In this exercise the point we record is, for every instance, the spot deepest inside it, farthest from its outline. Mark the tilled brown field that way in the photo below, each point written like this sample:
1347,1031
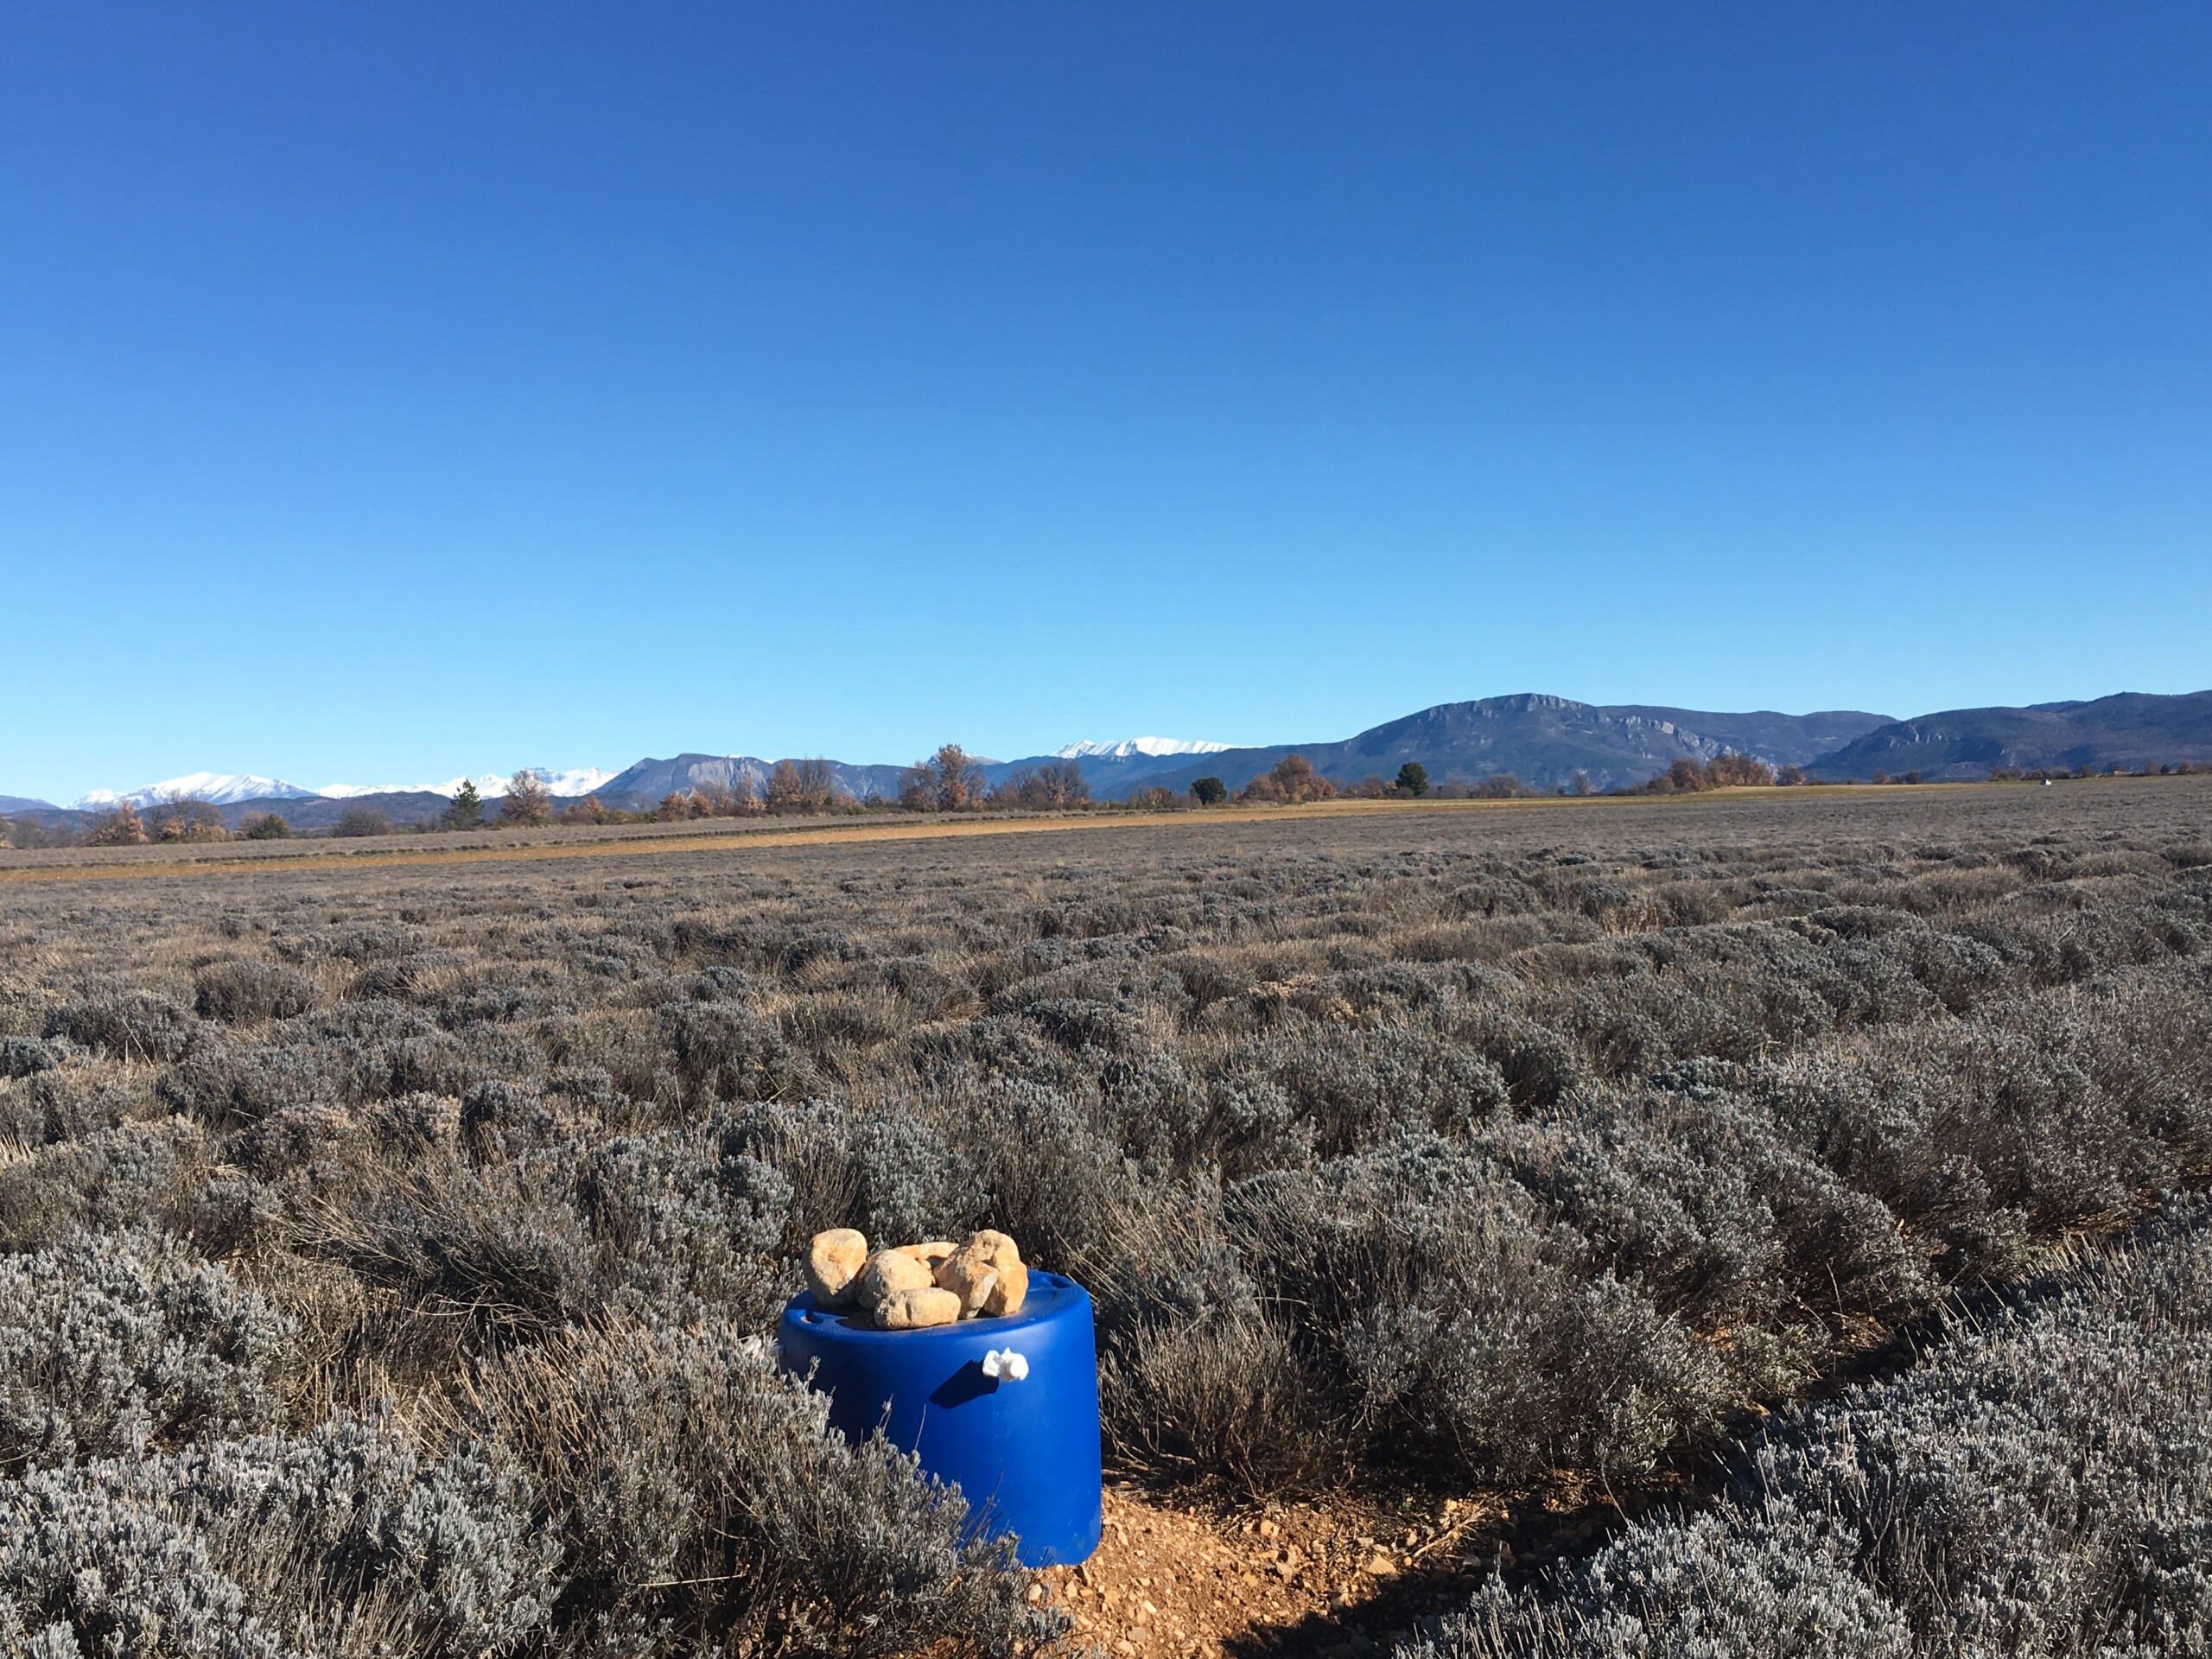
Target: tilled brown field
391,1239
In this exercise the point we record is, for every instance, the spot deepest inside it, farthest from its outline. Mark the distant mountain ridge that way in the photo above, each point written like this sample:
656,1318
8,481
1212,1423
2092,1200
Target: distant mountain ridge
1542,740
647,782
1151,748
2132,728
574,780
216,788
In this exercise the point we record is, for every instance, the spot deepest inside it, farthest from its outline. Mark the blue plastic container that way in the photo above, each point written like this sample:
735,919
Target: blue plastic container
1020,1441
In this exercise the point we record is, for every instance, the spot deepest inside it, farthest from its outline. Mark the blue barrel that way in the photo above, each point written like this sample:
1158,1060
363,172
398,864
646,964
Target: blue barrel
1005,1409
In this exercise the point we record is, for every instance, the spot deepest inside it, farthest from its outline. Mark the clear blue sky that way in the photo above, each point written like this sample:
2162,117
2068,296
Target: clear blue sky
388,390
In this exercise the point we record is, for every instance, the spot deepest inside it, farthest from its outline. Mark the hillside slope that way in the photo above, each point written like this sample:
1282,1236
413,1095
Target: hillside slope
1543,740
645,783
2130,729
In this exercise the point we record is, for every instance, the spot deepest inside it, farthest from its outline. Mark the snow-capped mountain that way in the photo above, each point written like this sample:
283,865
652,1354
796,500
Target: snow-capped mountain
234,788
221,788
574,780
578,780
1145,746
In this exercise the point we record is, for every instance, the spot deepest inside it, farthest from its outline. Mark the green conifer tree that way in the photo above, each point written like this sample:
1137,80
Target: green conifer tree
467,809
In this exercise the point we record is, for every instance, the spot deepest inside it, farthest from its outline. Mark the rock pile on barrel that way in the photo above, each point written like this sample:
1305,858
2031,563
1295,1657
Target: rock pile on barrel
910,1286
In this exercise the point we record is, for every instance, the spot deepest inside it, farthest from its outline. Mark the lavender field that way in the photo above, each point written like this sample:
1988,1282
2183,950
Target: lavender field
388,1250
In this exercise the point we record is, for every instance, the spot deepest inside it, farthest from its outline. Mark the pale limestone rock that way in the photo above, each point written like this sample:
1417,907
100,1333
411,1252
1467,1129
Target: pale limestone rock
930,1254
917,1310
987,1275
975,1292
968,1277
834,1259
1008,1295
889,1272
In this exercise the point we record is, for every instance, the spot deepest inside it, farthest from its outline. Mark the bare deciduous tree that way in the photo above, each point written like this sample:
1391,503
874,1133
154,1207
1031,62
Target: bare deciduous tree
178,817
588,810
528,799
949,781
818,780
1056,786
121,828
361,820
1292,781
1725,770
807,786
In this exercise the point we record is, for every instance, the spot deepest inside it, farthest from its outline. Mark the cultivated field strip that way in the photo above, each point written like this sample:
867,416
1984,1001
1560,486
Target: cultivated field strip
529,843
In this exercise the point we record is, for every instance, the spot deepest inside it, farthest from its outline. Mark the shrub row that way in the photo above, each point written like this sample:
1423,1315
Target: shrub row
2041,1485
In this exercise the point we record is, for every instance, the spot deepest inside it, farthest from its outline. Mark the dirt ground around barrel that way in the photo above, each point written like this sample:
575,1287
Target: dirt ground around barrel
1222,1575
1340,1577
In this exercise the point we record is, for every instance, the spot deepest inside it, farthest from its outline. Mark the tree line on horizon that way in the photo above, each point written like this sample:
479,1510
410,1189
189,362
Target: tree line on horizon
951,780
